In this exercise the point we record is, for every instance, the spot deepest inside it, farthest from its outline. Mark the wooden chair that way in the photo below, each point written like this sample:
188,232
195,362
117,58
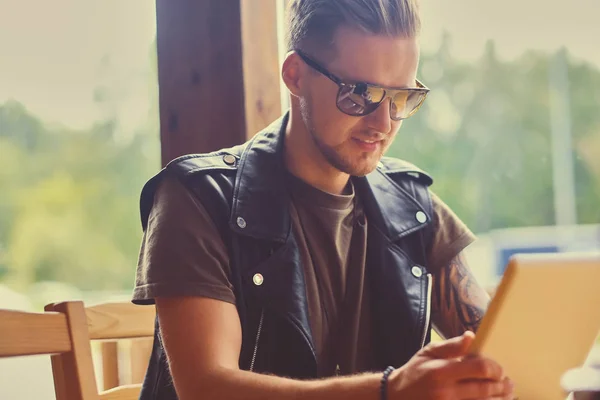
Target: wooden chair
110,323
64,331
58,333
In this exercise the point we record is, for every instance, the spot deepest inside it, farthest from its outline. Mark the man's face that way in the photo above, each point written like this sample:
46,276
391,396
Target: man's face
352,144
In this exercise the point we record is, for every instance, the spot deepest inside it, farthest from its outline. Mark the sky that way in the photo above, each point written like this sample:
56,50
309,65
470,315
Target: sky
52,52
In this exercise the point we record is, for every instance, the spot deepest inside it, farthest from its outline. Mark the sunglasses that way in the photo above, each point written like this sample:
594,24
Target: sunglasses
358,99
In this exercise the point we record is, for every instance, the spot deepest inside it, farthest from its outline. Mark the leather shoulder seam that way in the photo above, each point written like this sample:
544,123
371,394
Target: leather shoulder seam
194,163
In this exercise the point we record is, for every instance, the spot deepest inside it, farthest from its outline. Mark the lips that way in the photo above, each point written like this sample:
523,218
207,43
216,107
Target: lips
379,137
367,144
368,141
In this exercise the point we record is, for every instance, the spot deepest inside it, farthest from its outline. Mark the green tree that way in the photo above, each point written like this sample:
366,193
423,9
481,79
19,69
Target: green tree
484,134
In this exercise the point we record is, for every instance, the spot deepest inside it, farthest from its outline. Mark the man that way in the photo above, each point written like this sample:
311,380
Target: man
304,263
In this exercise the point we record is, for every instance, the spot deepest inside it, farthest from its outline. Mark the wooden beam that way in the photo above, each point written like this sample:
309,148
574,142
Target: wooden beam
74,371
261,64
141,349
24,333
125,392
110,365
120,320
200,75
211,97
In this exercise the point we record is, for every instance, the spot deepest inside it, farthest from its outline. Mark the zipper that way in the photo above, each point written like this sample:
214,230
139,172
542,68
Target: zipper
427,310
260,324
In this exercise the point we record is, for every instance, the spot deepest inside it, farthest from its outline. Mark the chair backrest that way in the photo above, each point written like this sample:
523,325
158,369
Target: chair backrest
62,334
109,323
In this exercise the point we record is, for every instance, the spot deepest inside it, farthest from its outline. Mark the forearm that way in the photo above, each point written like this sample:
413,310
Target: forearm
203,356
230,384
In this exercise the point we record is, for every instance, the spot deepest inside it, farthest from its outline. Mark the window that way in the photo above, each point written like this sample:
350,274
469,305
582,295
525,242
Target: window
79,135
511,132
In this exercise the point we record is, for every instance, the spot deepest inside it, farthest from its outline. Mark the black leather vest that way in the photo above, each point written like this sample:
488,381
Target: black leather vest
242,189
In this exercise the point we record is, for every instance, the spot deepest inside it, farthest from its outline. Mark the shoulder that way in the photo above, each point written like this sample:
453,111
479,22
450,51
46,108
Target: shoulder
451,234
403,170
186,167
221,160
196,174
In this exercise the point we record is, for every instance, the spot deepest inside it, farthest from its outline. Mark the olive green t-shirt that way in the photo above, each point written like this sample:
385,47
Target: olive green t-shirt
182,254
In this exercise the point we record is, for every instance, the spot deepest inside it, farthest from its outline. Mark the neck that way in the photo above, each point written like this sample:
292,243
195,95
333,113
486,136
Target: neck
304,159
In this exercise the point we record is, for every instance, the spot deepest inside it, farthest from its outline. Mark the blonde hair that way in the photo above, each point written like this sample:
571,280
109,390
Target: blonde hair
311,24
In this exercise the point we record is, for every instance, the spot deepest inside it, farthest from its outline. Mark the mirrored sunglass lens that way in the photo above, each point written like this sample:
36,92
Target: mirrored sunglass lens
371,95
399,104
405,104
346,102
360,99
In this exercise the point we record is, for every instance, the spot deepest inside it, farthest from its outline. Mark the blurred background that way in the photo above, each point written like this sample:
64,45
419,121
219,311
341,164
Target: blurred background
510,133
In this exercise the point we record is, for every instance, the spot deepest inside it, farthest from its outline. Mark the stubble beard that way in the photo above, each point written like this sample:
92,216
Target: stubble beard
333,154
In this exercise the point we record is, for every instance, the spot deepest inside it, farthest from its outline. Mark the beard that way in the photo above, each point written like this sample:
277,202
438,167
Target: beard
360,165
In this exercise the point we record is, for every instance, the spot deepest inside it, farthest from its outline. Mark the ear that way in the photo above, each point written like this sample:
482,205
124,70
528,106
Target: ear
293,73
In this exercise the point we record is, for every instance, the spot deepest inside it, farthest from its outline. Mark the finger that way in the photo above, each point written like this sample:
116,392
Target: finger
451,348
474,368
484,389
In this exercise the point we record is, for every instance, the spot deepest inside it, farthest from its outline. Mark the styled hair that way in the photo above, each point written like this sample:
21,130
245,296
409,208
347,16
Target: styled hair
311,24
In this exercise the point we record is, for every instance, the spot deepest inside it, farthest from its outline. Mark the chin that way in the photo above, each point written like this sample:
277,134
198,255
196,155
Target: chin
359,168
351,163
363,171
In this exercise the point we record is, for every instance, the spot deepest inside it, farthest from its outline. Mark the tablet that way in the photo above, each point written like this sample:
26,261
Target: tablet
543,320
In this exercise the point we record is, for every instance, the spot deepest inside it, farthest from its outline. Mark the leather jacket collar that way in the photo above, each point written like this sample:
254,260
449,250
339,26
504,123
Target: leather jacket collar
262,203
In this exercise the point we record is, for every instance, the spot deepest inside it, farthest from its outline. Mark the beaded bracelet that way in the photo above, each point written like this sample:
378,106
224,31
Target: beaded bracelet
384,381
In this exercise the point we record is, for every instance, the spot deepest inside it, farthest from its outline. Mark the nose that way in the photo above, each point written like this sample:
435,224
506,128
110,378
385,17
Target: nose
380,120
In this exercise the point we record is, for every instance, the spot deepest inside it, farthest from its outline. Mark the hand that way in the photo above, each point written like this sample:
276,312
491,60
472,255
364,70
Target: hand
442,371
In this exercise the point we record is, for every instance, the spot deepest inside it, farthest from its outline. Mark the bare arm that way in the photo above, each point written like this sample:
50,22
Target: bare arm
459,302
203,357
202,338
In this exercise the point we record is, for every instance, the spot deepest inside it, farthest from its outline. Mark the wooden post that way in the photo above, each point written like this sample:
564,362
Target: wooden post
202,75
141,349
110,365
74,371
261,64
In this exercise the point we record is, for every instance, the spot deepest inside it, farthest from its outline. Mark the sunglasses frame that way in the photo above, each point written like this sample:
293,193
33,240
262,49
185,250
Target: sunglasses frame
387,92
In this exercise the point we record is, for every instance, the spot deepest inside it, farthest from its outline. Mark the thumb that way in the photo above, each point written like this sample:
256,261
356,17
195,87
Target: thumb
451,348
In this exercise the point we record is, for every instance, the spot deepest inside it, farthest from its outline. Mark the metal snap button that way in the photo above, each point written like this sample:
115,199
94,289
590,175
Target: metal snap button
241,222
229,159
421,217
417,272
258,279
